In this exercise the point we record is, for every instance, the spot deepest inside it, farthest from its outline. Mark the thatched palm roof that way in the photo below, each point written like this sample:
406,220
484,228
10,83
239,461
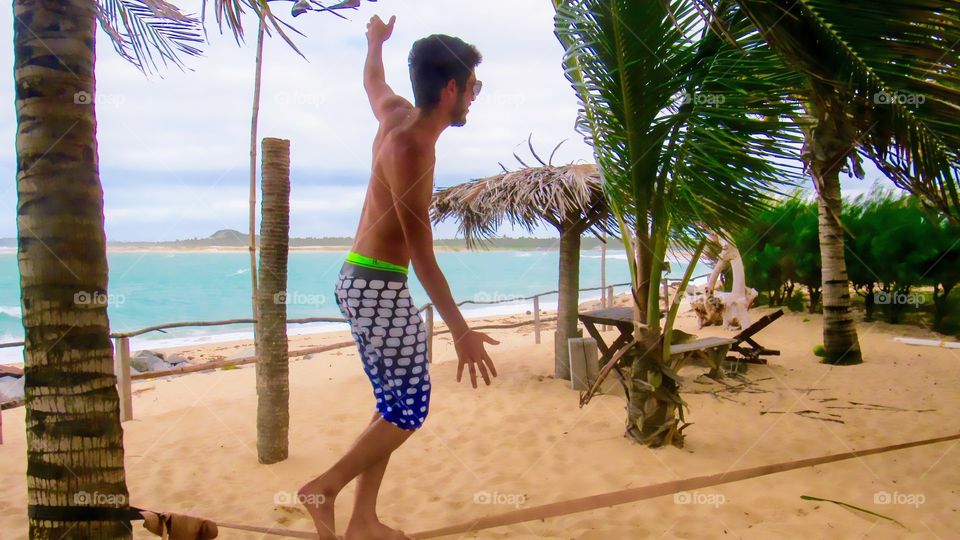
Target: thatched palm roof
569,197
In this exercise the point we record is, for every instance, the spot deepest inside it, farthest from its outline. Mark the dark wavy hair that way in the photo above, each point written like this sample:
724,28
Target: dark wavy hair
436,59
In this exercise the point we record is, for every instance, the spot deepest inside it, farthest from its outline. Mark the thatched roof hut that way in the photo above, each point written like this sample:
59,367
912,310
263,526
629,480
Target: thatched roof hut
569,197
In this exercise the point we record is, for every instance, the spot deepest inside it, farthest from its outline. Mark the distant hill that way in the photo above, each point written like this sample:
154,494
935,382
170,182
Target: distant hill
231,238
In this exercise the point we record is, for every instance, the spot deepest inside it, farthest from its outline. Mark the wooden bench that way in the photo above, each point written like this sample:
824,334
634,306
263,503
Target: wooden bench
714,350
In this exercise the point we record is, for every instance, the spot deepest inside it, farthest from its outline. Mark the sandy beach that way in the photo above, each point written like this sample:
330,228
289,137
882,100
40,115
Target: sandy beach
523,441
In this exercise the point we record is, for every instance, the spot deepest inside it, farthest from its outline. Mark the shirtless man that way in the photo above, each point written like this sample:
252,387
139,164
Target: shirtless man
371,290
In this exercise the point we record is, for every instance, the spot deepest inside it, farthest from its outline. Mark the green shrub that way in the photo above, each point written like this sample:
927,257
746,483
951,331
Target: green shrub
795,302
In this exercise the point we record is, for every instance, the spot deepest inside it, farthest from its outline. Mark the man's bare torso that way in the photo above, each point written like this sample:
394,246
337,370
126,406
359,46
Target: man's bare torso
379,234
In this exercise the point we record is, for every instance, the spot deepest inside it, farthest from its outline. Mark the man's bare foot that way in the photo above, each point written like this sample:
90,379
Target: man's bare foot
373,530
318,500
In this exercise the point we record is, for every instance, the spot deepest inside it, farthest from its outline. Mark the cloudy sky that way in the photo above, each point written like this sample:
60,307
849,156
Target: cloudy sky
174,146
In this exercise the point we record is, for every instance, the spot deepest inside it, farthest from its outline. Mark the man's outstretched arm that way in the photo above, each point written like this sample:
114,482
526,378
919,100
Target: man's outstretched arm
382,98
412,186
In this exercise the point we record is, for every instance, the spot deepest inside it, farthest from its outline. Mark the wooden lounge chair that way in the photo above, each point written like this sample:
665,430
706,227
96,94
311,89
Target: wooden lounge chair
749,350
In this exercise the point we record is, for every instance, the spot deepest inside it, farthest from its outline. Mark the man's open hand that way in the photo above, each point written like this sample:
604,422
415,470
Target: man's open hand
471,352
377,31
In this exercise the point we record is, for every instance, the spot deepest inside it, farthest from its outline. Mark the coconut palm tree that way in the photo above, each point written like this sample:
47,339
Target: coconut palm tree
74,437
683,134
882,83
570,198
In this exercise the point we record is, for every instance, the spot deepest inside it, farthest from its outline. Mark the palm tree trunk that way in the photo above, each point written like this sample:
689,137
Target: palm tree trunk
73,433
273,369
828,146
568,299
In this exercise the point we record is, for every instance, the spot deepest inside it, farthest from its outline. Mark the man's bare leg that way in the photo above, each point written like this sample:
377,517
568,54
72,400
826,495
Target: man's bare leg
371,451
364,522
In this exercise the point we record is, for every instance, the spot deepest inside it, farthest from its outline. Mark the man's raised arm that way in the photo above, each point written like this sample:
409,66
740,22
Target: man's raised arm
382,98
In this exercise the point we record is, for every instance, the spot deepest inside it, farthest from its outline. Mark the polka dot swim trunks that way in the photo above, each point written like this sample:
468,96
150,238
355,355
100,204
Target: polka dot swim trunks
391,339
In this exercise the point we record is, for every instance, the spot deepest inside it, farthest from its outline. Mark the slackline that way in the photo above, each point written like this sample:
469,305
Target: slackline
613,498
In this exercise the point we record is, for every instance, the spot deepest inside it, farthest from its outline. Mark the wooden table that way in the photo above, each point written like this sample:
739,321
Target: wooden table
714,348
620,317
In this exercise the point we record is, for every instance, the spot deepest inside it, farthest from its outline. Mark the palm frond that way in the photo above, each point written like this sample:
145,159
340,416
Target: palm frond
145,31
677,116
897,63
230,12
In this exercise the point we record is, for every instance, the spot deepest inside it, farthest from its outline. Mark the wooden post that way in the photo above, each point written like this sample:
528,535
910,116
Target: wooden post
606,327
583,354
121,367
429,310
536,319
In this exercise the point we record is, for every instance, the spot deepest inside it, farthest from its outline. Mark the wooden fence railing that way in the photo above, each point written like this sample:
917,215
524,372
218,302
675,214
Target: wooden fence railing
122,341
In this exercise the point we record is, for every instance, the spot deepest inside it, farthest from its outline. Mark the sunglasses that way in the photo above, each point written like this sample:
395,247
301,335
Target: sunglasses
477,86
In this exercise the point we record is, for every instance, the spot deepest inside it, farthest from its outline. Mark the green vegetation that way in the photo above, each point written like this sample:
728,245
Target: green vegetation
781,253
901,258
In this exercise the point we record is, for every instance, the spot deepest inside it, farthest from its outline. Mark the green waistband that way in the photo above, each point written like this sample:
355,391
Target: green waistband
370,262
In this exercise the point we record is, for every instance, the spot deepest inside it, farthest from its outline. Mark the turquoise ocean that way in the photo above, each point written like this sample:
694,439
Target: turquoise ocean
151,288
